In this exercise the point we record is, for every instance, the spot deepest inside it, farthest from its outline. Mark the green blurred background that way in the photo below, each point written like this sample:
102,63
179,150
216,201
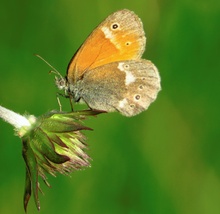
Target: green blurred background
165,160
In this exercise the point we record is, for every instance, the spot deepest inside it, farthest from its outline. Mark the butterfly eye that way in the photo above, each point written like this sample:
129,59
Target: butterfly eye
115,26
60,83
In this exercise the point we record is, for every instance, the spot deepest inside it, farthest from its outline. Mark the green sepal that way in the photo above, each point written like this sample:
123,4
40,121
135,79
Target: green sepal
31,183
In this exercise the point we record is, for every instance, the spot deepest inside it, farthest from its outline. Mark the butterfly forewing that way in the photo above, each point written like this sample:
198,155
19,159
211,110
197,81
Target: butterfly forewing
119,37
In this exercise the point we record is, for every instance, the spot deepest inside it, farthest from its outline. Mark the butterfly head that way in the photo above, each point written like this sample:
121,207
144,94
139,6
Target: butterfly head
61,83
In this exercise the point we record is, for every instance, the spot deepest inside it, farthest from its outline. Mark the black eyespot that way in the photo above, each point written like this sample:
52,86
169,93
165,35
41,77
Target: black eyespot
141,87
127,43
126,66
115,26
137,97
132,105
143,78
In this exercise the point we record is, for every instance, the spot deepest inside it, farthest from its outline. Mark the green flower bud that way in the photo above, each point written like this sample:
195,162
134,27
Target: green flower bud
51,143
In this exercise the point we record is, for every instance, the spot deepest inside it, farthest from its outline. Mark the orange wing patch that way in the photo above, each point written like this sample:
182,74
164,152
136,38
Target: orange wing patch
119,37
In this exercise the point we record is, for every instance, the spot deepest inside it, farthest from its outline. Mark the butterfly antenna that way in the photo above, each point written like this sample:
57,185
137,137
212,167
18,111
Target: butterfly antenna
54,70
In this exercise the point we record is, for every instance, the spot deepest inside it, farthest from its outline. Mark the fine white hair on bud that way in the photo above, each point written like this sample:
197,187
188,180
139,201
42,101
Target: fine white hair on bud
15,119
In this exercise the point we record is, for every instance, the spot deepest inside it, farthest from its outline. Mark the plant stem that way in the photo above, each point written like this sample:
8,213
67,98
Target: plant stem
15,119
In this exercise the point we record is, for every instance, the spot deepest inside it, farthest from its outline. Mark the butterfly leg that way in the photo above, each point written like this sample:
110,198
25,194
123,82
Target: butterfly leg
66,96
71,102
58,100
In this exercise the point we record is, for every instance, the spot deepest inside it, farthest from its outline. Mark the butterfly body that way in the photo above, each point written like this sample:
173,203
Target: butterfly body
107,71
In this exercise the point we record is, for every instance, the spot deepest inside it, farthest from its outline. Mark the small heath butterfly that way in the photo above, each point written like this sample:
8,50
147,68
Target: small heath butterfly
107,72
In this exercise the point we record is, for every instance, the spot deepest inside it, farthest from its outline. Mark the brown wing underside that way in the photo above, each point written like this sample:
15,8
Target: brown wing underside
127,86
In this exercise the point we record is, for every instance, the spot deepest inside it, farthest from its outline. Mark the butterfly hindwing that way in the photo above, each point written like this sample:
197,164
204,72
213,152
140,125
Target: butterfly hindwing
126,86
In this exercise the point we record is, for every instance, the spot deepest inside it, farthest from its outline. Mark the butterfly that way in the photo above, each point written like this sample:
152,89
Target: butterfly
108,73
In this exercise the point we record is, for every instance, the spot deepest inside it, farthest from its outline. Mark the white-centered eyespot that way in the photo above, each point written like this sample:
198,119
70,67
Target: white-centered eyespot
115,26
137,97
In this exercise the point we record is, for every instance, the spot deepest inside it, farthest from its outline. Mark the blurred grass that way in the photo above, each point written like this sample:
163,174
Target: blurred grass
165,160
